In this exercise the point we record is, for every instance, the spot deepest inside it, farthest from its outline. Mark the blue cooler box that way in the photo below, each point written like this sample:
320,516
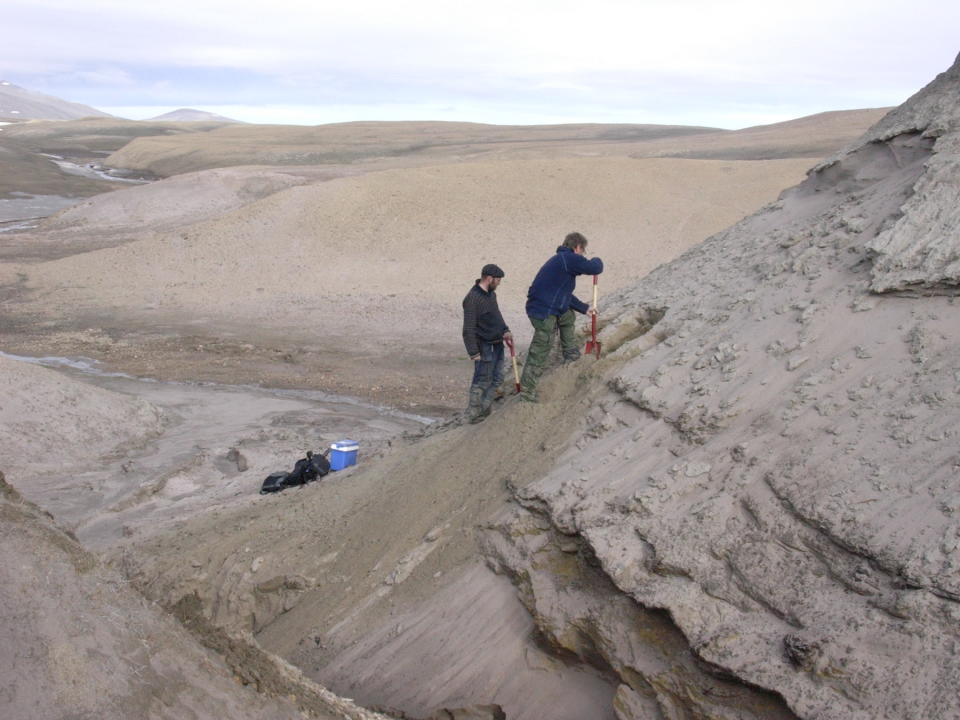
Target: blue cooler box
343,454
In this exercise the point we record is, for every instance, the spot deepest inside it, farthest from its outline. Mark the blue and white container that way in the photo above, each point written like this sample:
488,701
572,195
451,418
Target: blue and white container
343,454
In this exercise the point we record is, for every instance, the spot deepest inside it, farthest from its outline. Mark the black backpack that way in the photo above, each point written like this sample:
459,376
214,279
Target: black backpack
305,470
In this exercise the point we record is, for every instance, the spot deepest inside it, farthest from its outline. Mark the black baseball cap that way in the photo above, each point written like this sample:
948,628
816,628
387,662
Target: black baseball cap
491,270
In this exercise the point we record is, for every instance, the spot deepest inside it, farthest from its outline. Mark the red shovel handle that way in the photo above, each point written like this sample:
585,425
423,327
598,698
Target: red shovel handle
592,345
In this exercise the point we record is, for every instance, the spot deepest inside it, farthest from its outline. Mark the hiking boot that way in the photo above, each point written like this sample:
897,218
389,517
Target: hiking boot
475,410
480,414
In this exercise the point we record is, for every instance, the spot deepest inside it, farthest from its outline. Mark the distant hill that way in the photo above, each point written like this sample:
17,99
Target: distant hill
419,142
17,103
191,115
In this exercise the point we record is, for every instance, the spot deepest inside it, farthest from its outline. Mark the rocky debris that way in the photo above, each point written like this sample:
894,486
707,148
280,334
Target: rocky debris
777,473
800,652
234,455
921,251
472,712
919,248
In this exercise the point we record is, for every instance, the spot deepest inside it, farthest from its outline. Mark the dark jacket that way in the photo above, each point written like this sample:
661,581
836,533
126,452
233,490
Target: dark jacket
552,290
482,320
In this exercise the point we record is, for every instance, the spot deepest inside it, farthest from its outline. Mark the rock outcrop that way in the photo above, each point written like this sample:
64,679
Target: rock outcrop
769,479
920,251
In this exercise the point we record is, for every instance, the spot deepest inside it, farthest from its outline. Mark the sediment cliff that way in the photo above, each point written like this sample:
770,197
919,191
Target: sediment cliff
772,467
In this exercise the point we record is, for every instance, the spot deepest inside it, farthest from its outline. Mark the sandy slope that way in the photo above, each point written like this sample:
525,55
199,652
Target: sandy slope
421,233
809,136
78,640
358,262
50,423
396,531
141,212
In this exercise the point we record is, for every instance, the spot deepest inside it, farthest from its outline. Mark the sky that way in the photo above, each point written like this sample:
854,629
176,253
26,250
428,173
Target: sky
722,63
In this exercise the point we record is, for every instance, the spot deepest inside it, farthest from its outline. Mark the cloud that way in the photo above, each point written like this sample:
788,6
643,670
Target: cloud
109,76
638,58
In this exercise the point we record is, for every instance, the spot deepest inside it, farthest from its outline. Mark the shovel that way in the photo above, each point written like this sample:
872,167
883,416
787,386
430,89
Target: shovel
593,345
513,359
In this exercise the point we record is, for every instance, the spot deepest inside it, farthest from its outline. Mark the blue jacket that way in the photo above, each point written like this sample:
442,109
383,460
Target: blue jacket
552,290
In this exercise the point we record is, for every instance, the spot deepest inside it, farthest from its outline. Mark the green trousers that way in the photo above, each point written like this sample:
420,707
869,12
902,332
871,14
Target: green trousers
540,346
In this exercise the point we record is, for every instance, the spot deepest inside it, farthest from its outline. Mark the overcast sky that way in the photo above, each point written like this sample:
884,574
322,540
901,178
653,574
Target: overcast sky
723,63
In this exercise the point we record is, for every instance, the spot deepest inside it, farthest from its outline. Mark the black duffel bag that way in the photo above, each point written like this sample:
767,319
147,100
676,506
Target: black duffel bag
308,469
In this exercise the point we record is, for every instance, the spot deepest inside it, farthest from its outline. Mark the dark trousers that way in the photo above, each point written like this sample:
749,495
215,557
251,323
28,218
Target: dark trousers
487,376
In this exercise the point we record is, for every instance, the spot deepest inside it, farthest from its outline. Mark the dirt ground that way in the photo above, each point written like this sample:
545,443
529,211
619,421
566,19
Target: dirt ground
433,385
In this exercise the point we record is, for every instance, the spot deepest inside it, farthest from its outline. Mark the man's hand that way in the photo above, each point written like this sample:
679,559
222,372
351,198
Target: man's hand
591,311
476,357
508,336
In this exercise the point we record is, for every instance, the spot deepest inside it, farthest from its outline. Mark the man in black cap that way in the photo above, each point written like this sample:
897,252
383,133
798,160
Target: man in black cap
483,334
